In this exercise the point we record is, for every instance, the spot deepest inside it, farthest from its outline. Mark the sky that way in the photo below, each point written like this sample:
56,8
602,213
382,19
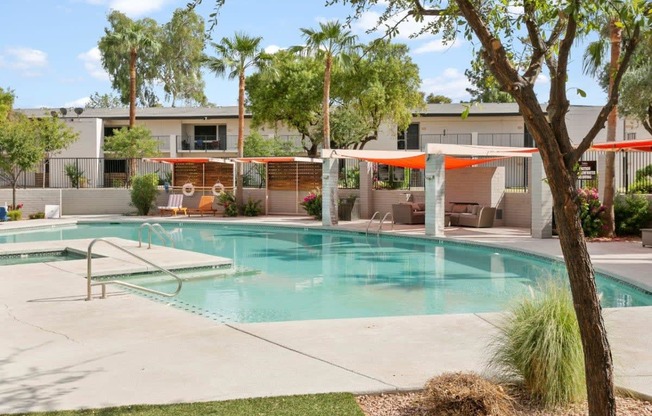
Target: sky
49,55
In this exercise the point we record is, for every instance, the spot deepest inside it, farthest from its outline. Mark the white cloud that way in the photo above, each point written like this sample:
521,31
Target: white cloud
132,8
272,49
543,79
437,45
452,83
25,59
92,60
80,102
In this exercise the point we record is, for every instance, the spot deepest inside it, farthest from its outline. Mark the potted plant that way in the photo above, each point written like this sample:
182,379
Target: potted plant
345,207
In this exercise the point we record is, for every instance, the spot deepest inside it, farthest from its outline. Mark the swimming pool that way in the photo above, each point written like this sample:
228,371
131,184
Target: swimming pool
296,274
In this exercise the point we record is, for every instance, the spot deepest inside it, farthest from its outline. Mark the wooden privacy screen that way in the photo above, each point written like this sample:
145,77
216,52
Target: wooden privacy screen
290,176
192,172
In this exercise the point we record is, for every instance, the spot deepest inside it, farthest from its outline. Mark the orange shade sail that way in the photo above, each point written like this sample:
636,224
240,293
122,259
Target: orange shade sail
644,145
419,161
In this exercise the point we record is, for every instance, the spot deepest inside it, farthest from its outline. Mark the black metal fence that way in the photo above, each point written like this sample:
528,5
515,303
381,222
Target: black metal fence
88,172
633,172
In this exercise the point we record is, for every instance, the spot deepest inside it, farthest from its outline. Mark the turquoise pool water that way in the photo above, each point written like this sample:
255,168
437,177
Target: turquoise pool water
295,274
40,257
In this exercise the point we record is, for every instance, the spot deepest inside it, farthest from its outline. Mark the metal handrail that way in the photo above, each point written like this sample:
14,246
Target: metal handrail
371,220
153,228
89,273
388,214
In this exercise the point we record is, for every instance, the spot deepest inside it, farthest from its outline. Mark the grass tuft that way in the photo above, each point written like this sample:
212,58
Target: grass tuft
539,343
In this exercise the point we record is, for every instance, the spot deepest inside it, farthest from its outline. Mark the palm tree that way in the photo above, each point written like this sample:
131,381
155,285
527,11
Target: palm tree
593,63
237,54
331,42
122,45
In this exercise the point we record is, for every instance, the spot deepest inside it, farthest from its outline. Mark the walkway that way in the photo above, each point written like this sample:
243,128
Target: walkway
60,352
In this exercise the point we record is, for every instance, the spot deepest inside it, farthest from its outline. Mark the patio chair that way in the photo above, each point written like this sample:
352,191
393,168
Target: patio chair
175,204
205,206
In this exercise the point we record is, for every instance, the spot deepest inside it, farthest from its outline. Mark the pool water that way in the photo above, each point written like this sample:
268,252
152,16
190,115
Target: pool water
40,257
294,274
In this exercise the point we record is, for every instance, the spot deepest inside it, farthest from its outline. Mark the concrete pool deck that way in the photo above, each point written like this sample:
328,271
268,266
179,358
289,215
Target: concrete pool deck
61,352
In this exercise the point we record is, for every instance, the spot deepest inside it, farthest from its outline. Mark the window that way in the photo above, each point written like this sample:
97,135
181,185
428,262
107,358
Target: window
408,139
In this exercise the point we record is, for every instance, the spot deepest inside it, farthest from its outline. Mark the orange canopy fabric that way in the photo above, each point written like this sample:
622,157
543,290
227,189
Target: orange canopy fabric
419,161
280,159
639,145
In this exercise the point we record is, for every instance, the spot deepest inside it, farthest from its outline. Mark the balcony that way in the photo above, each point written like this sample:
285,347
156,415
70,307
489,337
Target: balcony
207,143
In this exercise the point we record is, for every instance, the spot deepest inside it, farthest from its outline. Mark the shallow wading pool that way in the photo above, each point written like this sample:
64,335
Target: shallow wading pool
285,274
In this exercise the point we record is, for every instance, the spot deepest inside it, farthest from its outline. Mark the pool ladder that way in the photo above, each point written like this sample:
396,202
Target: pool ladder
89,273
157,229
380,225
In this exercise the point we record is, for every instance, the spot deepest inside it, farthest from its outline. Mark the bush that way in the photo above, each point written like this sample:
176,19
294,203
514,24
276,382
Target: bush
144,190
37,216
227,200
539,343
312,204
643,181
590,211
15,215
631,212
74,174
465,394
252,208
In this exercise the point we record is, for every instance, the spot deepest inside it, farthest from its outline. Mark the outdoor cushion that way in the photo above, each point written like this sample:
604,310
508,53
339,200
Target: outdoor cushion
459,208
415,206
472,209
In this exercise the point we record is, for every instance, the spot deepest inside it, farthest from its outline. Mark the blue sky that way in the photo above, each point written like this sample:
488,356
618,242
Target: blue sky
49,57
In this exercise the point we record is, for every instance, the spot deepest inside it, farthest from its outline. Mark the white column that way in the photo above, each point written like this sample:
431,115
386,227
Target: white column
474,138
541,200
329,192
173,145
435,192
366,190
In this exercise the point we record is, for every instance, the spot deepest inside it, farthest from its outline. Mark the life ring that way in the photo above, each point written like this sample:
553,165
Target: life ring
188,189
218,189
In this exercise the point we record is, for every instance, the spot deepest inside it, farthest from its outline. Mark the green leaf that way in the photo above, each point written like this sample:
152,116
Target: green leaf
581,93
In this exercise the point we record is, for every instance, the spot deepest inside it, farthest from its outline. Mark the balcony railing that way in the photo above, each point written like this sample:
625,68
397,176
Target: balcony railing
207,143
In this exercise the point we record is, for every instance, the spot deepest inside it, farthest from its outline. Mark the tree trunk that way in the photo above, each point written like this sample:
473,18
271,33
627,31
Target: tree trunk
239,194
132,106
598,363
612,120
132,88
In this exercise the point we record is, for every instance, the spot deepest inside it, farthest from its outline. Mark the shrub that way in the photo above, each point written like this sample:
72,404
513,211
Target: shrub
252,208
465,394
312,204
15,215
539,343
37,216
590,211
227,200
144,190
74,174
643,181
631,212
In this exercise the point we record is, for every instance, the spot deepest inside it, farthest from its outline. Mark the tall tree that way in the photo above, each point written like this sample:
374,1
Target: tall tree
551,29
330,42
104,101
181,58
594,56
237,54
486,88
382,84
25,143
130,47
289,91
636,88
437,99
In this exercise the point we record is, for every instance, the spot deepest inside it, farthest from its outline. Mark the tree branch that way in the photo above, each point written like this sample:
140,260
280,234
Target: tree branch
419,10
612,100
539,48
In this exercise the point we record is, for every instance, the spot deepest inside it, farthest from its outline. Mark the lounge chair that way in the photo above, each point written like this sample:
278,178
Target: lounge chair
205,206
175,204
